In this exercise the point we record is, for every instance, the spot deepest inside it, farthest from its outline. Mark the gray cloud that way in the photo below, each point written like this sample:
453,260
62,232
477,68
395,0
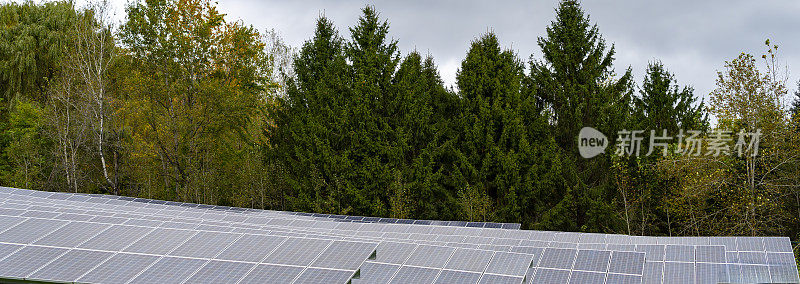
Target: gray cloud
692,38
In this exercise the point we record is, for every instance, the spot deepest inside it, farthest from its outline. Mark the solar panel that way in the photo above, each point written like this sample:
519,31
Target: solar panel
784,274
30,230
469,260
563,245
72,234
582,246
373,272
170,270
221,272
11,212
535,251
430,256
506,242
711,273
678,272
780,258
653,272
450,238
119,268
7,249
142,222
748,273
73,217
297,251
732,257
108,220
592,260
345,255
567,237
626,262
500,279
652,252
714,254
410,274
437,243
320,275
509,263
160,241
534,243
558,258
115,238
477,240
275,273
679,253
494,247
178,225
252,248
625,279
752,257
587,277
750,244
205,244
71,265
27,260
551,276
777,244
40,214
450,276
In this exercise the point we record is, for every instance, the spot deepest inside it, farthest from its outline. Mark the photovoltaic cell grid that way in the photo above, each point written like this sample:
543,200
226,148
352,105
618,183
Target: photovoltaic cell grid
216,218
93,252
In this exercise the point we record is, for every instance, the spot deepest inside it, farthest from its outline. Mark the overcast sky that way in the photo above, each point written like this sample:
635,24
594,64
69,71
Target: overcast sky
692,38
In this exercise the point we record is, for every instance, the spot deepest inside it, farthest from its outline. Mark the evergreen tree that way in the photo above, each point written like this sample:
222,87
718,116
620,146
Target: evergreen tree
355,129
575,80
423,110
662,104
504,156
377,147
309,134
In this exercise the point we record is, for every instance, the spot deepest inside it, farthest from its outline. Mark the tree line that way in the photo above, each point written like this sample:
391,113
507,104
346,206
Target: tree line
180,103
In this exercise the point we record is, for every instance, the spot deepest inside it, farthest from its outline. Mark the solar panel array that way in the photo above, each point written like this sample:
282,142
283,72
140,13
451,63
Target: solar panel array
88,238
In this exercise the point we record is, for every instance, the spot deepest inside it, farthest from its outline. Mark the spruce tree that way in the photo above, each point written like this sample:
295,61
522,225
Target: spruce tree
504,156
662,104
309,131
376,151
423,110
576,81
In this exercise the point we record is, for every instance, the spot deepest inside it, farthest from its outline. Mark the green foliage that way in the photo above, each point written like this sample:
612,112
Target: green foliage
503,137
661,104
309,135
643,189
27,151
359,131
31,44
32,40
195,83
576,81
